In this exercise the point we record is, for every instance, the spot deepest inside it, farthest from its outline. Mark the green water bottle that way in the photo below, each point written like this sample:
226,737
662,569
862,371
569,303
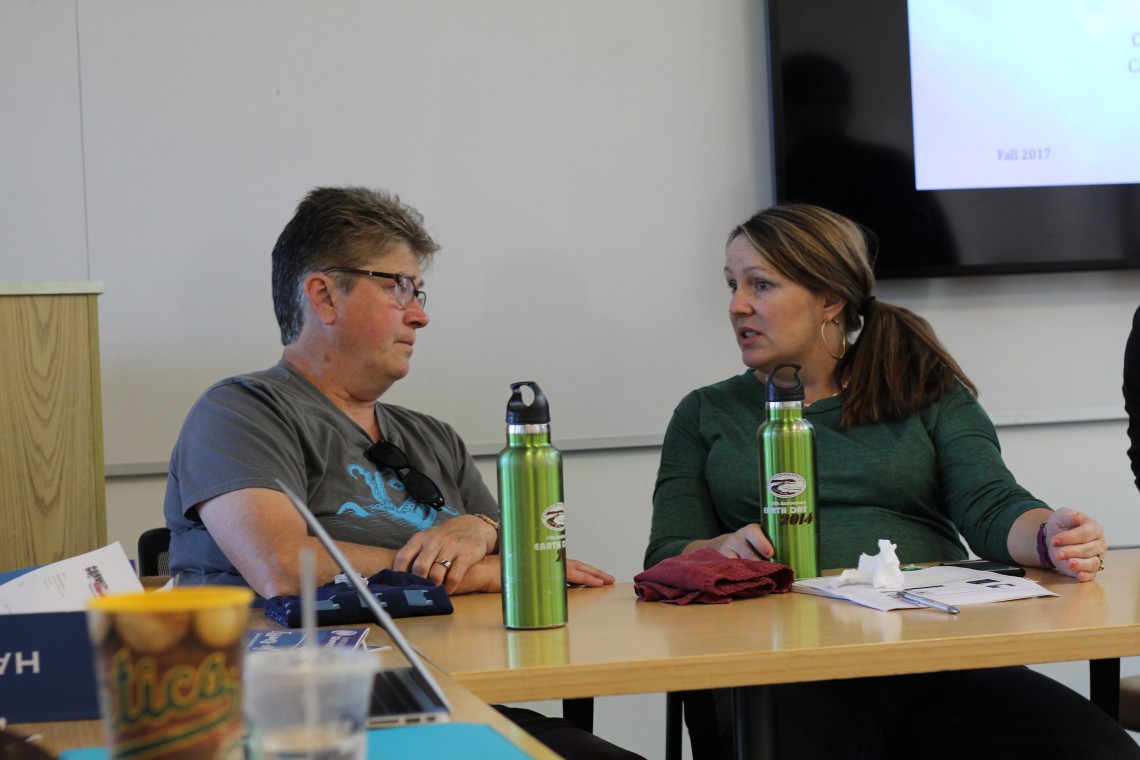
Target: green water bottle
532,533
788,489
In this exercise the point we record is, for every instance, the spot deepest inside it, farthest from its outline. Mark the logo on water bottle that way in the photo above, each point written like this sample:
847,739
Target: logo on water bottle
785,485
554,516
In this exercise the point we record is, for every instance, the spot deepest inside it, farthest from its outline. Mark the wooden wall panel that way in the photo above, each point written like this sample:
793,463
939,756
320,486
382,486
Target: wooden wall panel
52,496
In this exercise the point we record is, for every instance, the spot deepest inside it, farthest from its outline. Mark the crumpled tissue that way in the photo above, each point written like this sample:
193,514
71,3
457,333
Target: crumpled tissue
881,571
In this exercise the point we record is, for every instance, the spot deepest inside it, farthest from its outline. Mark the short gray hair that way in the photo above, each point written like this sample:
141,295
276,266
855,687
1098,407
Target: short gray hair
339,226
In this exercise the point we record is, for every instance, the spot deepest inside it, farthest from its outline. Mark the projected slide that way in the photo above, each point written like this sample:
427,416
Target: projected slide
1025,93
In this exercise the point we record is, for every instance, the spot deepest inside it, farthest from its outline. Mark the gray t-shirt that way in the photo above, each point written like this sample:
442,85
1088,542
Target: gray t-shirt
248,431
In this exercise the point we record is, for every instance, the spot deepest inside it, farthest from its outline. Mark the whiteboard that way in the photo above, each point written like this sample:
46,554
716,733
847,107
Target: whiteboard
580,163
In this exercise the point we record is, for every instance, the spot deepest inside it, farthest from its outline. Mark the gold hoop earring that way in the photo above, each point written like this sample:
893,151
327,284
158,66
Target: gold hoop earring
842,334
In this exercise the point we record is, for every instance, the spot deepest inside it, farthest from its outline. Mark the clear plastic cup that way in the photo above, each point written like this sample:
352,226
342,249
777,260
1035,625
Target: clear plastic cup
308,704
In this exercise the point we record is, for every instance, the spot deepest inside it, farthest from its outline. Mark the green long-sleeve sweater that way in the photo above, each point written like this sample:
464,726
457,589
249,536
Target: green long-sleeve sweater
917,482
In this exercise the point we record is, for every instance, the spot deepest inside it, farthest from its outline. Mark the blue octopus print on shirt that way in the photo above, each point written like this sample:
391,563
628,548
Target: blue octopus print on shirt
409,511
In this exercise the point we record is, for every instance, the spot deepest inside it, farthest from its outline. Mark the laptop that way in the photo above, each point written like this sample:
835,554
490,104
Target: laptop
400,696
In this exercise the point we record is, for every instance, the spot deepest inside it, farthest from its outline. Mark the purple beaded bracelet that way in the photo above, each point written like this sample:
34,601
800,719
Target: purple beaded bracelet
1043,549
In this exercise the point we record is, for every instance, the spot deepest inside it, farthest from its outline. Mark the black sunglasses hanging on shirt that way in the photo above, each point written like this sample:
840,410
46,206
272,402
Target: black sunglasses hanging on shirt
420,487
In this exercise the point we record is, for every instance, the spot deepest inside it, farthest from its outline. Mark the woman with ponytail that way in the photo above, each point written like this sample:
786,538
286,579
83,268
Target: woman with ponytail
904,453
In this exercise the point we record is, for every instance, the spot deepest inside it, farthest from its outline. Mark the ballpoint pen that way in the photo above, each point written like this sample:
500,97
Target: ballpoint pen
922,600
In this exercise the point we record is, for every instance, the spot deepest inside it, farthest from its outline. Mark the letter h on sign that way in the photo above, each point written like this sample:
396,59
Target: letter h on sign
23,663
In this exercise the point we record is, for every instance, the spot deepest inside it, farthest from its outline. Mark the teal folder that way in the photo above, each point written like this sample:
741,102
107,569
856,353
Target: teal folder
470,741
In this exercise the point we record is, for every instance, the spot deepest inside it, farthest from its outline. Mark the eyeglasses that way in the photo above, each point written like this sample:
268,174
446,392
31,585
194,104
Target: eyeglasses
404,291
420,487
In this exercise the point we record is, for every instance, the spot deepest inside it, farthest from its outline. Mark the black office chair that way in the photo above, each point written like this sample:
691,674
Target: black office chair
154,552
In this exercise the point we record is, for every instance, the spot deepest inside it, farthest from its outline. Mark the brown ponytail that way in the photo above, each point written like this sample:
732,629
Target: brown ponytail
897,367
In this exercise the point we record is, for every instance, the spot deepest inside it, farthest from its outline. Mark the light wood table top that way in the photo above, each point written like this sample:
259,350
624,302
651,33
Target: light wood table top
615,644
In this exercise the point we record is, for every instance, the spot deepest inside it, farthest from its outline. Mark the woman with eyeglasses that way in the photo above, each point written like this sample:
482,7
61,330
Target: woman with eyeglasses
904,453
395,486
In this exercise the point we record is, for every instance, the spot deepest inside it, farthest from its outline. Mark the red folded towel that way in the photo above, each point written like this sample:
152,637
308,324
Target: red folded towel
708,576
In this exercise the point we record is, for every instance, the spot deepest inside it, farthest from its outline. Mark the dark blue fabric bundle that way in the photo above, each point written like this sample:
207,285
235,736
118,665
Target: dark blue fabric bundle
401,595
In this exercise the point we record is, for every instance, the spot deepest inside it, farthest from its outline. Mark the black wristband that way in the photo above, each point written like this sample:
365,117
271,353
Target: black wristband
1043,549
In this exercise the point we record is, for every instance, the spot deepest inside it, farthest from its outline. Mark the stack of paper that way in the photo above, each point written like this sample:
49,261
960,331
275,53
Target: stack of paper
956,586
67,585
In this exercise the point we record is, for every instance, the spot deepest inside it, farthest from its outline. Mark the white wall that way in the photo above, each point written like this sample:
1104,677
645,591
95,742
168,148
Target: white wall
139,148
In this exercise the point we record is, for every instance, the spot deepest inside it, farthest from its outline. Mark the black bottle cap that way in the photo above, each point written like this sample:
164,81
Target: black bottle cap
785,383
537,412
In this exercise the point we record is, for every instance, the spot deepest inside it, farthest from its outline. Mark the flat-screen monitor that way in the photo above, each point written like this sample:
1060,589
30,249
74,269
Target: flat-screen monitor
970,136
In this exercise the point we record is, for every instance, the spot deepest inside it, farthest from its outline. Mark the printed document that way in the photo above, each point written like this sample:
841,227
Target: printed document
956,586
67,585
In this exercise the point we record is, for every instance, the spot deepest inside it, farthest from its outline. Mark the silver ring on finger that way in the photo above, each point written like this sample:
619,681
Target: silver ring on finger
445,562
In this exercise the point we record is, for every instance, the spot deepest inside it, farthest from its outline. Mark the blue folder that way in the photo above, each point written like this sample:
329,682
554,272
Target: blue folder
470,741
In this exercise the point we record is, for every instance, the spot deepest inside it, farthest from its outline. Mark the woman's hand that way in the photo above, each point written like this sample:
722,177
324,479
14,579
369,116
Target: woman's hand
444,553
747,543
578,573
485,576
1076,543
